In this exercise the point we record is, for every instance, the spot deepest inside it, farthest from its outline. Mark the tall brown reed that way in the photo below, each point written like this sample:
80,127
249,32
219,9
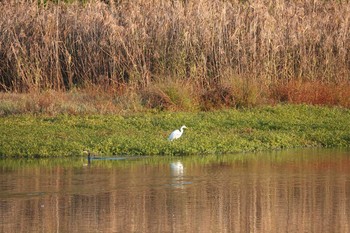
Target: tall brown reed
204,42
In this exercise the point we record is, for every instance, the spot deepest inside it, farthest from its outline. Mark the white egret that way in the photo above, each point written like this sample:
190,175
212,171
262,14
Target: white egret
176,133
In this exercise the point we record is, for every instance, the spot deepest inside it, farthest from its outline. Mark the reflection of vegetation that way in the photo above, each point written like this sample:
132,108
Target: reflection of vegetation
260,192
276,157
47,163
209,132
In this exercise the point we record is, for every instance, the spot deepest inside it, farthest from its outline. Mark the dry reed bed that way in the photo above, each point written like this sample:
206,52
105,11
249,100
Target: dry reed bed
213,52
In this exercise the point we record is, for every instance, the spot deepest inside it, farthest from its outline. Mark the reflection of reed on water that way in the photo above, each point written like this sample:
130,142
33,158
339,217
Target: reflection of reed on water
256,197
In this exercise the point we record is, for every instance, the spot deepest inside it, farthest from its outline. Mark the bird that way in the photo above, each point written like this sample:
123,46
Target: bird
176,133
90,156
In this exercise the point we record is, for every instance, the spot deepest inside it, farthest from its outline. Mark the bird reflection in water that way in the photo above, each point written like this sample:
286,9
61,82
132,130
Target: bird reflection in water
176,168
177,173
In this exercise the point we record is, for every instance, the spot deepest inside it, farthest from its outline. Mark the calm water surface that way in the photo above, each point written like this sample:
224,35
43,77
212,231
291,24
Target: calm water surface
290,191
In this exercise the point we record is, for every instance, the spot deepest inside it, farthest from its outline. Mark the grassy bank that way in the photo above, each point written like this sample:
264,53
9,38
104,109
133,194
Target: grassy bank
229,131
116,77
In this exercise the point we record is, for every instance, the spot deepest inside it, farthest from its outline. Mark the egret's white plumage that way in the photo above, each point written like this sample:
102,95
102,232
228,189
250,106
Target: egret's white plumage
176,133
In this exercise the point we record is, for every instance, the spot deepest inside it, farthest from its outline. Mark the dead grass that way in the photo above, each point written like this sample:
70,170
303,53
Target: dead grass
174,97
317,93
219,54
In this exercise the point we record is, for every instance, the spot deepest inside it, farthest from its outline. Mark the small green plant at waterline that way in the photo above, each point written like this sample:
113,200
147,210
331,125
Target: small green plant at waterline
216,132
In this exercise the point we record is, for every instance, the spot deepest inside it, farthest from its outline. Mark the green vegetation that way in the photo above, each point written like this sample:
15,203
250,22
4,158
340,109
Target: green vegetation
216,132
116,77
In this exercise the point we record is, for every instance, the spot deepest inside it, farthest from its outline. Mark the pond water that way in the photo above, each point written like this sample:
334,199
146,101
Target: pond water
288,191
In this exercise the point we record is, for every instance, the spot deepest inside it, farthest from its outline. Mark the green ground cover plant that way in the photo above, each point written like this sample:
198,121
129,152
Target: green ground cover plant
145,134
116,77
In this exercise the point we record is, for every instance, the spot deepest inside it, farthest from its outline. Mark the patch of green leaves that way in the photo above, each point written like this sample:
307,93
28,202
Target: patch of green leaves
217,132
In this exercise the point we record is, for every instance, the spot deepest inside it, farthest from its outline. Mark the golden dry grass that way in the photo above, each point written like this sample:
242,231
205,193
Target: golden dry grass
227,53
